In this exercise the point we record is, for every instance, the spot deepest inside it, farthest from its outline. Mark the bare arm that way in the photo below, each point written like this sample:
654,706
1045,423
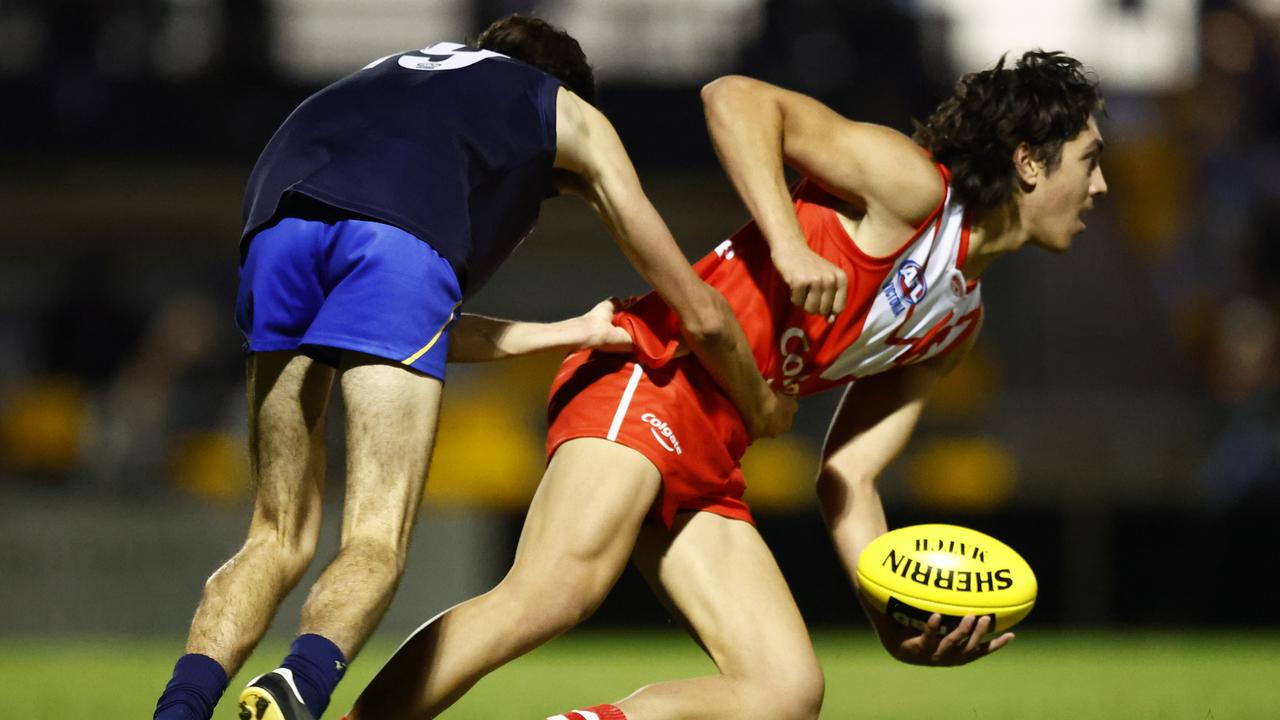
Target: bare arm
871,427
589,148
757,128
476,338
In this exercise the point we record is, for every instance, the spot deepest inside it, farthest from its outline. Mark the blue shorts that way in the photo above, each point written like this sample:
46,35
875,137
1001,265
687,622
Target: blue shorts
321,287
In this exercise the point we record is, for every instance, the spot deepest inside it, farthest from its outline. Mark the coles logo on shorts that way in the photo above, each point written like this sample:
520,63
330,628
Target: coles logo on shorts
662,433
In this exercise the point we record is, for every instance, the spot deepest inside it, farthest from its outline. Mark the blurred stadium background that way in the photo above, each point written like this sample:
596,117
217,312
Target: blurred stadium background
1119,423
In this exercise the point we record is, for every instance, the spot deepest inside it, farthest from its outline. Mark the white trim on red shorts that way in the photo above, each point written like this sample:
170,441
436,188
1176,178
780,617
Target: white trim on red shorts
624,403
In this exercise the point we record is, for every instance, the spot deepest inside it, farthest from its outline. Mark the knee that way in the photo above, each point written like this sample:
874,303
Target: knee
793,694
290,552
806,693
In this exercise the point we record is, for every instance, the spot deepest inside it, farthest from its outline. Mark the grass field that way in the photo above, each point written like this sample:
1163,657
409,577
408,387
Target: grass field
1100,676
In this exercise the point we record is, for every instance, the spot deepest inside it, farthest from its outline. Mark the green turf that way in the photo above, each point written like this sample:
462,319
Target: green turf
1042,676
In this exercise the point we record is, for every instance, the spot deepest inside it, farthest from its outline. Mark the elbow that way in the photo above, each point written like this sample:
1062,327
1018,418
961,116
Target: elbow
839,488
706,323
855,480
707,330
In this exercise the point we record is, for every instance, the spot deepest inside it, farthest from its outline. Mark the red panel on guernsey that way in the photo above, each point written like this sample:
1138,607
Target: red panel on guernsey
791,347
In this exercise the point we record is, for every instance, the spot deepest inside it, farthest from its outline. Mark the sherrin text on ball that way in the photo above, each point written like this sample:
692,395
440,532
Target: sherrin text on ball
912,572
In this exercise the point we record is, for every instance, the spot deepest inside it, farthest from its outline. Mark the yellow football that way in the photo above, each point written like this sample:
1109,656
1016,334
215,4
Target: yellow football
912,572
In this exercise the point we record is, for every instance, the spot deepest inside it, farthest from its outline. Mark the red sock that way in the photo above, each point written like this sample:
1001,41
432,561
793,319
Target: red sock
598,712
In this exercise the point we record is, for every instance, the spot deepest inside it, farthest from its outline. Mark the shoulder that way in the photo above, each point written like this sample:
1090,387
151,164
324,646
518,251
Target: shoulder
585,138
570,112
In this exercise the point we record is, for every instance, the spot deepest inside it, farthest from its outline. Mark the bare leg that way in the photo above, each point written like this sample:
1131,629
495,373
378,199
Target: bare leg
391,425
580,530
723,583
288,394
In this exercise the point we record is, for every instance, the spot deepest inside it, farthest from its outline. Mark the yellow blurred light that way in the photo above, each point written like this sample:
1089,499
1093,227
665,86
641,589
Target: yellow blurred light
489,448
780,473
962,473
42,425
213,465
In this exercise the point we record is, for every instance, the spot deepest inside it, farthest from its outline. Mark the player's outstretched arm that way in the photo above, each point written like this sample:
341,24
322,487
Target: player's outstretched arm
756,128
589,149
476,338
871,427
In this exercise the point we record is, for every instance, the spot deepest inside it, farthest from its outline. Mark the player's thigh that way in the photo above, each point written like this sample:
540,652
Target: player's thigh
584,518
723,582
391,418
288,395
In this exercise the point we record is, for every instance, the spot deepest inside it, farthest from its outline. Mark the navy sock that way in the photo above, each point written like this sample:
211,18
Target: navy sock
198,681
317,666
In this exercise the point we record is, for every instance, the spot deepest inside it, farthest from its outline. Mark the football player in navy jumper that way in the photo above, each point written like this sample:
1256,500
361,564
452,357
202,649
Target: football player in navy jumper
382,203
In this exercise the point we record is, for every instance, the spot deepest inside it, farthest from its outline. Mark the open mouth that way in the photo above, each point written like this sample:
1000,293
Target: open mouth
1080,217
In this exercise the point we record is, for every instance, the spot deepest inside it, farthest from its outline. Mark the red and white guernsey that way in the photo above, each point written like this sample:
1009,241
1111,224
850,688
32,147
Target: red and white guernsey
901,309
904,308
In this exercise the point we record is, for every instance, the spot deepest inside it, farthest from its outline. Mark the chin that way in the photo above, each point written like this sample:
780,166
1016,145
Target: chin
1057,246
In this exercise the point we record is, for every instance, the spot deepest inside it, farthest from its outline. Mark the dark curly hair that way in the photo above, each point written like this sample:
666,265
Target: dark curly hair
544,46
1044,100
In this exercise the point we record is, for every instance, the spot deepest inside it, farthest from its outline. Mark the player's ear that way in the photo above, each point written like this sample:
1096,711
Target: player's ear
1026,166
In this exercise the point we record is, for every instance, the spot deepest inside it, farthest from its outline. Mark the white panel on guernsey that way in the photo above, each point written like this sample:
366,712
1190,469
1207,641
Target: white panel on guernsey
923,307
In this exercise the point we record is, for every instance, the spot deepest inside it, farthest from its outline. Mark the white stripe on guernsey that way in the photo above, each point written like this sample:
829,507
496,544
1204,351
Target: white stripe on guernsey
587,714
624,404
557,717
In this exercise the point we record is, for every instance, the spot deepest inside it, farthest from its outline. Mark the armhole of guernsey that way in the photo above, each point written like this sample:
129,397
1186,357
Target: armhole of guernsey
936,216
549,93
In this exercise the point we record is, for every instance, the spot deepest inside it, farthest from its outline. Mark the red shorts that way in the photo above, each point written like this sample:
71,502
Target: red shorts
675,416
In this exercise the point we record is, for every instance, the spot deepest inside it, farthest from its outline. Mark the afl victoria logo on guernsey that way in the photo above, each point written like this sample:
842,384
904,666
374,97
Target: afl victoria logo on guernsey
905,287
662,433
910,282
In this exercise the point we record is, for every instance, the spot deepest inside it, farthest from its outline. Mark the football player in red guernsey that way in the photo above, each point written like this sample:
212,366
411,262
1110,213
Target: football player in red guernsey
867,274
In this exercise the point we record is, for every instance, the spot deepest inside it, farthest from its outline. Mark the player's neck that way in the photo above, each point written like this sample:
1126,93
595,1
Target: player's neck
993,233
